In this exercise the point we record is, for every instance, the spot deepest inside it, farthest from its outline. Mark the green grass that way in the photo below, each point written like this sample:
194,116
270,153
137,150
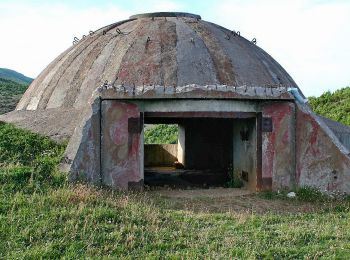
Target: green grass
42,216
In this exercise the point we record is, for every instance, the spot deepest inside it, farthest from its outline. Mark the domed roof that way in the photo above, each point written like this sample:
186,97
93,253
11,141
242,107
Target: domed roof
166,49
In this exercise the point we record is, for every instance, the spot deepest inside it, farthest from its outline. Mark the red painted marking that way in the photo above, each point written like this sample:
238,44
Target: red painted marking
278,112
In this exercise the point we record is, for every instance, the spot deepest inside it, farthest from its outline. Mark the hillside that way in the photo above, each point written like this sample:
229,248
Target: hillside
10,93
334,105
15,76
42,216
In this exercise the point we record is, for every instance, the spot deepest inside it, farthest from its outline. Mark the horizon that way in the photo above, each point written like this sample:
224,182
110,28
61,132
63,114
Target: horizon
310,39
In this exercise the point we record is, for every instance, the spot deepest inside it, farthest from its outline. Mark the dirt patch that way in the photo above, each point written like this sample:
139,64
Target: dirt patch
232,200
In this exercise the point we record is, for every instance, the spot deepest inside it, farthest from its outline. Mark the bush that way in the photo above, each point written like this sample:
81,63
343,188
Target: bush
161,134
334,105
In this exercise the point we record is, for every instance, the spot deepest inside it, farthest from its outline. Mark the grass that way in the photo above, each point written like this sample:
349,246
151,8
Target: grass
42,216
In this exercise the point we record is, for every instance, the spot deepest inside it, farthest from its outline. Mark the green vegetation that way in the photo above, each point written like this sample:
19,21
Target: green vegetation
15,76
305,194
42,216
161,134
334,105
10,93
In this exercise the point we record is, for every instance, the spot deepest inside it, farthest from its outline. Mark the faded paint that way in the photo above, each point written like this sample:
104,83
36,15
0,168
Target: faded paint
120,148
278,151
321,161
181,51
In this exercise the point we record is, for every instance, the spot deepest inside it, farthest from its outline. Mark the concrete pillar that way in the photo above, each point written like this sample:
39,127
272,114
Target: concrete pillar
181,145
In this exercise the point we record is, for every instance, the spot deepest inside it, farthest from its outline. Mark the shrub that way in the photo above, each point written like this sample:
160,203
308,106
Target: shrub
161,134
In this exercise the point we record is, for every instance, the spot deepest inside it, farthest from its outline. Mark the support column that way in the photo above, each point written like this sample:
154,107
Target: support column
181,145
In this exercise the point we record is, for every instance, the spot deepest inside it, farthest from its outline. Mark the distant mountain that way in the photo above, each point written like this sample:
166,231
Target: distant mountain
10,93
14,76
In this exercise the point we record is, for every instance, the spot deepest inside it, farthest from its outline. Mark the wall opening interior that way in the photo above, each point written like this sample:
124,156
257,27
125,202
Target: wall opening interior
202,156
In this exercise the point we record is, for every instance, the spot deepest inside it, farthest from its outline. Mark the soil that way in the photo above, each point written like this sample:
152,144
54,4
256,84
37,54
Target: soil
233,201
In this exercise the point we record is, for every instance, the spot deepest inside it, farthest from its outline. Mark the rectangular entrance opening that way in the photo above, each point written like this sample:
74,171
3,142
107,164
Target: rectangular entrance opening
185,152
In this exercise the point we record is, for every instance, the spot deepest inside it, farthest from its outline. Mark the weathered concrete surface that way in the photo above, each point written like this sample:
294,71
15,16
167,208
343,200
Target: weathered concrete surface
174,51
244,152
195,91
160,154
342,132
321,160
181,141
58,124
120,146
278,146
82,155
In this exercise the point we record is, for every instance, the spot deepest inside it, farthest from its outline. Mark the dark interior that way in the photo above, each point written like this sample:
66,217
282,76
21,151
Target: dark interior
208,154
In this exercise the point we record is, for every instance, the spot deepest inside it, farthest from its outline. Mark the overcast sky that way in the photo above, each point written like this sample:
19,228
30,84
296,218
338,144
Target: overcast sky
309,38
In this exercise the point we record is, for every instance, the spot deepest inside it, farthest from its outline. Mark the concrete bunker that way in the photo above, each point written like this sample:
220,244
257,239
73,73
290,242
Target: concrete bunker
237,109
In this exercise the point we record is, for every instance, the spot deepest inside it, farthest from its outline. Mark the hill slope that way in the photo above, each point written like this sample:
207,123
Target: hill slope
334,105
14,76
10,93
42,216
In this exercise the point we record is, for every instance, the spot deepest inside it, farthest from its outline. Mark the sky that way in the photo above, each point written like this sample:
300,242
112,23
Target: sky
309,38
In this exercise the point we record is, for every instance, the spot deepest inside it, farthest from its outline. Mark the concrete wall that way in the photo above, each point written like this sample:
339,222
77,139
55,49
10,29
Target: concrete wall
208,144
244,151
181,144
321,160
278,146
196,105
82,155
160,154
121,148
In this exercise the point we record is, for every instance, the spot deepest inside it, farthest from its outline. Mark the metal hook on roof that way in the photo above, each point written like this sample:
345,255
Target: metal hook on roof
118,31
75,40
254,40
104,32
91,32
105,85
148,39
84,36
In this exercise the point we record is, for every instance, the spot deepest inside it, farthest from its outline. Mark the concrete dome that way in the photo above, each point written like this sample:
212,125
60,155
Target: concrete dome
167,49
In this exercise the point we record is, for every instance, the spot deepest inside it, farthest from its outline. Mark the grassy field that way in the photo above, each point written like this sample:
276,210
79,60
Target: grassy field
42,216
